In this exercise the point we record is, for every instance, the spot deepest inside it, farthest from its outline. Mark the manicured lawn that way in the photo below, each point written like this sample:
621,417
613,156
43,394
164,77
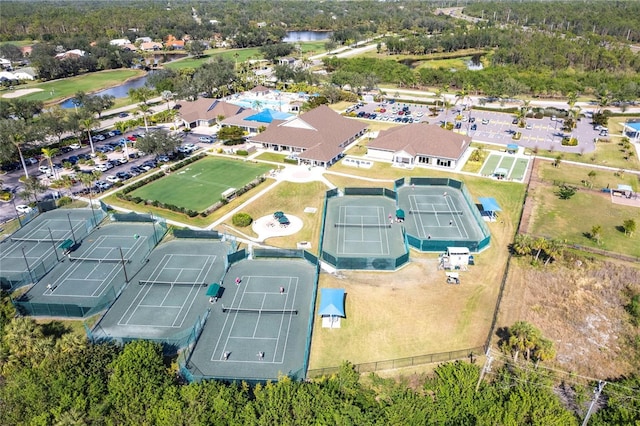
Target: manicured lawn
608,154
574,175
200,184
58,90
571,220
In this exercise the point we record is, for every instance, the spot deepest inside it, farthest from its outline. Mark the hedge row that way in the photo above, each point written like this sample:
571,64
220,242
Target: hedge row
158,204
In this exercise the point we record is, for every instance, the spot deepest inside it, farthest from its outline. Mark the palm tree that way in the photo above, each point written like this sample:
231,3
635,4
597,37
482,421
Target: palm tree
554,249
14,134
48,154
539,244
167,95
544,350
89,123
522,244
144,109
523,337
447,107
257,104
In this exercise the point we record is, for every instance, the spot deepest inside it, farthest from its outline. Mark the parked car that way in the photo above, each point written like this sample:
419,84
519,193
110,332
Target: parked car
474,126
135,171
529,127
31,160
122,160
123,175
45,170
123,114
112,179
75,146
103,186
485,121
162,158
205,139
116,132
23,209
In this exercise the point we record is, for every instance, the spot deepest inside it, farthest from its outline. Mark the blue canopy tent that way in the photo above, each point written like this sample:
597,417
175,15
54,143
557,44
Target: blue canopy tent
331,305
489,207
512,147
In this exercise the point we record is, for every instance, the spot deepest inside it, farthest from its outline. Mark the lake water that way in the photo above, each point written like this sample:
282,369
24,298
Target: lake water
120,91
294,36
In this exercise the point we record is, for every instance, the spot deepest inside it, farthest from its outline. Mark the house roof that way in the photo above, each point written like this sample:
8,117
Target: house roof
422,139
207,109
331,302
320,132
268,116
260,89
150,45
241,119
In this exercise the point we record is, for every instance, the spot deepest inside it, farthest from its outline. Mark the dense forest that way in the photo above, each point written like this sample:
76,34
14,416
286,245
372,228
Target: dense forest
49,375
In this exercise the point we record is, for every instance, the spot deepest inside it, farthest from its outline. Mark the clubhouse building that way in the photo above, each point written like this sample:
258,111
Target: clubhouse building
318,137
419,145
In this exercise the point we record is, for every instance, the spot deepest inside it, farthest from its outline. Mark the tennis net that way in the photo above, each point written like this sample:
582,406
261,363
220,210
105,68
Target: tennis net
171,283
453,212
97,260
362,225
37,240
259,311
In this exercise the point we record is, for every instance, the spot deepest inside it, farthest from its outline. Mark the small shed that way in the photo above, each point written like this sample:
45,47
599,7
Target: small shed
400,215
500,173
331,307
458,256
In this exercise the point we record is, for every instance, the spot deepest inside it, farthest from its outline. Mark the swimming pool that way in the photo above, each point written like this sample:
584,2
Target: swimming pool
261,104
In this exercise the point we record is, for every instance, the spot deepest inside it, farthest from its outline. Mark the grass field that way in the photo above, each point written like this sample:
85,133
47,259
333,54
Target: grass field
57,90
200,184
606,154
571,220
292,199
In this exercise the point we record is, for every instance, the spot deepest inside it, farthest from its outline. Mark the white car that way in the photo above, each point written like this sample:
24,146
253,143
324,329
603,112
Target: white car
75,146
112,179
23,208
44,169
529,127
205,139
101,168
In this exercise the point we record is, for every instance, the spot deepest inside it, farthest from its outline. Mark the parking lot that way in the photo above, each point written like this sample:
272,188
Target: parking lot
121,164
485,126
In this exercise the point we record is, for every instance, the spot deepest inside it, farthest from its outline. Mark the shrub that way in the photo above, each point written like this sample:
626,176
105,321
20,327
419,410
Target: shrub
64,201
5,195
516,136
242,152
569,141
241,220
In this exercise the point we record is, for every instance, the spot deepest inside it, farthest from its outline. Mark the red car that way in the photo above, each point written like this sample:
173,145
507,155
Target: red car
132,138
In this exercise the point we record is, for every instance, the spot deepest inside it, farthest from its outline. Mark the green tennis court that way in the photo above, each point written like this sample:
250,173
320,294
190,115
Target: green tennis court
199,185
268,336
34,249
438,213
169,294
361,232
99,267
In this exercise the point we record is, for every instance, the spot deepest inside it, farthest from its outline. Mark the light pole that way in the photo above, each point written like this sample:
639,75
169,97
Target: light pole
53,243
28,267
71,226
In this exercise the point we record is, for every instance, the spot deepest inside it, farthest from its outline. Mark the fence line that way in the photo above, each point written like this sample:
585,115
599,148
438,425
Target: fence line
403,362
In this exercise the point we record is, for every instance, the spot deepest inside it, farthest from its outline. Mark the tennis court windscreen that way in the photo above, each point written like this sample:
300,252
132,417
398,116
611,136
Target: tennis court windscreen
259,311
171,283
362,225
96,260
452,212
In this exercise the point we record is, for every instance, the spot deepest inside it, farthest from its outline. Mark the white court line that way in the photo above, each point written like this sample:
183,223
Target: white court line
286,339
202,274
461,226
226,342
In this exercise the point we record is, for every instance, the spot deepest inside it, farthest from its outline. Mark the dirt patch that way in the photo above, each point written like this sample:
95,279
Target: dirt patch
406,313
20,92
580,306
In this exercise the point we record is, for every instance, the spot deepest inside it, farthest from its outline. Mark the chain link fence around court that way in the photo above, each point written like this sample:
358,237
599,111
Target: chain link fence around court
376,263
412,361
36,271
432,245
191,373
171,345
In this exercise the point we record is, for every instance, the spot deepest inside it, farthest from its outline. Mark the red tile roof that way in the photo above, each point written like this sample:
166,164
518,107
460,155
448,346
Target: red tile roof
207,109
319,132
422,139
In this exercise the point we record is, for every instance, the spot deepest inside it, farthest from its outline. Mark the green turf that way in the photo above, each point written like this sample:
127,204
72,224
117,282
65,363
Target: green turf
519,169
200,185
490,165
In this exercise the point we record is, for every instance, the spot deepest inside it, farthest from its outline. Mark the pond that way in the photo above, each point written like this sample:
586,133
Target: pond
120,91
295,36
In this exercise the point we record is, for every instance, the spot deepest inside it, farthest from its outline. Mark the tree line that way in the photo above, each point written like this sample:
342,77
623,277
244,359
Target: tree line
49,375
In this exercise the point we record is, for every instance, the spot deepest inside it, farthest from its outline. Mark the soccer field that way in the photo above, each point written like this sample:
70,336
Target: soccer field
200,184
